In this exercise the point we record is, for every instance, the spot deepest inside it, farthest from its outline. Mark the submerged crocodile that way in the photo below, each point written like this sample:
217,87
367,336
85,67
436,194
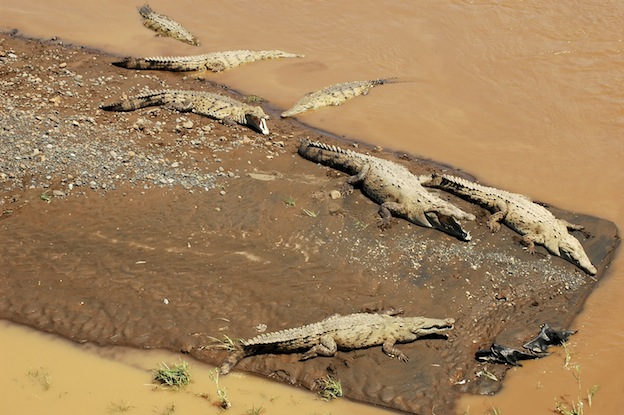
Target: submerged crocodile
393,186
354,331
215,61
166,26
534,222
336,94
220,107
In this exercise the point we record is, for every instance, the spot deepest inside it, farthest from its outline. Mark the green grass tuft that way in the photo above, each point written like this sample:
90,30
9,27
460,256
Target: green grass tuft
175,377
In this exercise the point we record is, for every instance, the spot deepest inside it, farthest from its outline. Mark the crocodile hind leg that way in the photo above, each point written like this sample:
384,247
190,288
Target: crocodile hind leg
389,349
182,105
327,347
354,180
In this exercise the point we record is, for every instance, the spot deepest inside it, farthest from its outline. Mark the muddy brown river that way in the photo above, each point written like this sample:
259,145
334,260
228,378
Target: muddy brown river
523,95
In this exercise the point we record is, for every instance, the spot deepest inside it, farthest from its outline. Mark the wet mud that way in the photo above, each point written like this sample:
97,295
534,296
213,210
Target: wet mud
260,243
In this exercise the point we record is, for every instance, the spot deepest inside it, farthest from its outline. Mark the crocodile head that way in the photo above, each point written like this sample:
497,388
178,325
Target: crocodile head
571,249
428,326
258,122
448,224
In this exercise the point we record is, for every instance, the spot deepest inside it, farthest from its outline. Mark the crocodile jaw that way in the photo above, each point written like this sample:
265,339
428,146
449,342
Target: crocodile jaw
435,326
258,123
576,255
449,225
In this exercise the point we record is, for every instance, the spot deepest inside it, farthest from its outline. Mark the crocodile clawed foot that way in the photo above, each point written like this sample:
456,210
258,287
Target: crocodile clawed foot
403,358
346,189
384,223
530,245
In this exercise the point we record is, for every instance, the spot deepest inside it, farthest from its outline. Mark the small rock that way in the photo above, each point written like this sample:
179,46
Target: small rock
335,194
188,124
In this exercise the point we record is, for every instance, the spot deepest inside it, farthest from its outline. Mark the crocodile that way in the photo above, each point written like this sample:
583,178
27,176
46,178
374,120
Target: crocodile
341,332
336,94
220,107
166,26
215,61
534,222
393,186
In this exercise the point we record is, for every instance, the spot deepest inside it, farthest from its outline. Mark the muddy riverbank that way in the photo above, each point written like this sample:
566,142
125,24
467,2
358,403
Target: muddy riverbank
157,229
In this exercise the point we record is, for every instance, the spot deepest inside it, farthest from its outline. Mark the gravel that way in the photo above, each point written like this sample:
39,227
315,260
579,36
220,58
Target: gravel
53,135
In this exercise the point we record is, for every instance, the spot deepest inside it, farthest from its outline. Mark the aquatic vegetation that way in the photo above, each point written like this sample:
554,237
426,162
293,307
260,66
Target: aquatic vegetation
575,407
224,402
121,406
176,376
41,376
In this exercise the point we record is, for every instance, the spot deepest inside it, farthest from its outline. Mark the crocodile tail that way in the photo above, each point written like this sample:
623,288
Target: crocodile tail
134,103
146,11
134,63
391,80
232,360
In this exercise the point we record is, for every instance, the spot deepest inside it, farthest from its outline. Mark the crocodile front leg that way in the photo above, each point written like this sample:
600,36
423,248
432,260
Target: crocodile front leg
327,347
228,121
575,227
389,349
529,240
493,222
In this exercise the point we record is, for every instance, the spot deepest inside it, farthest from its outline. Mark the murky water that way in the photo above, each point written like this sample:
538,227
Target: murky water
524,95
47,374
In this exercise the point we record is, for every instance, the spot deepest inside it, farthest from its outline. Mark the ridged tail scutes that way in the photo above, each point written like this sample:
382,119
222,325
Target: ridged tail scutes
306,143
